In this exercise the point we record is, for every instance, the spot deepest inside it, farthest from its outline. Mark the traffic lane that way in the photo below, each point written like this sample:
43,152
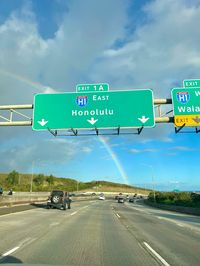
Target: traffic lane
23,227
28,206
181,218
6,210
93,236
178,245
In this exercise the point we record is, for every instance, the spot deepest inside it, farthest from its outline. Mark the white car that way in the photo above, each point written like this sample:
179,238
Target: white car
101,197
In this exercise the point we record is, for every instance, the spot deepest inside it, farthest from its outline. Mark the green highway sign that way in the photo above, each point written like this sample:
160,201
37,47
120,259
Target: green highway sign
186,104
124,109
92,87
191,83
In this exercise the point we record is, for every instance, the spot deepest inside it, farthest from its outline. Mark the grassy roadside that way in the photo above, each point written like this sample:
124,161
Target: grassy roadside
184,199
40,182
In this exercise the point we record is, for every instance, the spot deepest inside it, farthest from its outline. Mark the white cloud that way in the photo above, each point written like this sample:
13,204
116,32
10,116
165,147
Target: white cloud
115,145
159,53
86,149
162,139
181,148
134,151
57,152
142,150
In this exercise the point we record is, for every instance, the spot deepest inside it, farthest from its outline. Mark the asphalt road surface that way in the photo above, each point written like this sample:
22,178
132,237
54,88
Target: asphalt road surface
100,233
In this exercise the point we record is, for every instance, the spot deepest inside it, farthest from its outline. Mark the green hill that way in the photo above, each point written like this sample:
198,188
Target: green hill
41,182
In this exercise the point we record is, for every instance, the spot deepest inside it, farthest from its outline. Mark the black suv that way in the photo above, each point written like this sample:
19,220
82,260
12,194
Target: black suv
59,199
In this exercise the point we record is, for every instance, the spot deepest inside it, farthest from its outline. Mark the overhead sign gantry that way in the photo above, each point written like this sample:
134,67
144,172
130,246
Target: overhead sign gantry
93,107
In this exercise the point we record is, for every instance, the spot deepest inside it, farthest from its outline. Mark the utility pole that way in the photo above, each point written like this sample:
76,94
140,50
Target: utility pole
77,186
153,183
31,189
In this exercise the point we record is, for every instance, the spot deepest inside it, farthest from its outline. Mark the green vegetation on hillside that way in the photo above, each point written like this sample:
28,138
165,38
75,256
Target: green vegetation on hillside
186,199
41,182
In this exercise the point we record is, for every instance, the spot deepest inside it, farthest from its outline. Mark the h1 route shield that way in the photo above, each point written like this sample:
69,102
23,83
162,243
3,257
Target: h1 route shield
186,105
124,109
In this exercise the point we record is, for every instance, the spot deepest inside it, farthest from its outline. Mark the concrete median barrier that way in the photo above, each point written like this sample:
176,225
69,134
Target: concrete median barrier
22,197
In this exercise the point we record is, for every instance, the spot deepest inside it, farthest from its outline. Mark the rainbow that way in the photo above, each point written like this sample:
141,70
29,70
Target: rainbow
115,159
25,80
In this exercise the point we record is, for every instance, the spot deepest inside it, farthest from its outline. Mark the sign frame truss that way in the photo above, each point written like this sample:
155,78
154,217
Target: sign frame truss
179,130
93,132
11,116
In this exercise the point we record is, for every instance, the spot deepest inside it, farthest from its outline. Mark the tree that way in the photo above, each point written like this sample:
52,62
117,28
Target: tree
12,178
39,180
50,180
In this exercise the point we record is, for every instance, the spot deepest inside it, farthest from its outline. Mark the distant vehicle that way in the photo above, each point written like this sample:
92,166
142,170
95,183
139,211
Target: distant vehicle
10,192
88,194
102,197
131,200
139,197
59,199
72,195
117,196
1,191
120,200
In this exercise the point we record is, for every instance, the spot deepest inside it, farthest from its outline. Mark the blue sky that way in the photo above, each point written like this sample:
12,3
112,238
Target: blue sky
128,44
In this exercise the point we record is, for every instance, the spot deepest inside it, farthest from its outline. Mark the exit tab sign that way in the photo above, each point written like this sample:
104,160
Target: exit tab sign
92,87
191,83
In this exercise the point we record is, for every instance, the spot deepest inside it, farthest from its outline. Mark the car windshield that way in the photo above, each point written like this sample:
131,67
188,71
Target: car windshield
100,132
59,193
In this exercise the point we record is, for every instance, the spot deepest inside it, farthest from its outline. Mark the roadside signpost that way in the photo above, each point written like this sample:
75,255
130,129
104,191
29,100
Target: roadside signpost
92,87
191,83
100,110
186,105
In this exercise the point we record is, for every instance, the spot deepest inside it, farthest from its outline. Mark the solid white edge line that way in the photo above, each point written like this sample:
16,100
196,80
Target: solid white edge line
73,213
171,220
9,252
118,215
181,225
156,254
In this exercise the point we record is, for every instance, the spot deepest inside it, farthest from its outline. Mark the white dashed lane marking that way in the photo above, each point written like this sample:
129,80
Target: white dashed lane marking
156,254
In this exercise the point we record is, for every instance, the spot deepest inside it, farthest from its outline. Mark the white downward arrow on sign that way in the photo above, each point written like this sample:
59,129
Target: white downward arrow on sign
92,121
43,122
143,119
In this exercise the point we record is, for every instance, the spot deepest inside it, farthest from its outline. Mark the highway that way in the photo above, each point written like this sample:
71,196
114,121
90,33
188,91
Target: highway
100,233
